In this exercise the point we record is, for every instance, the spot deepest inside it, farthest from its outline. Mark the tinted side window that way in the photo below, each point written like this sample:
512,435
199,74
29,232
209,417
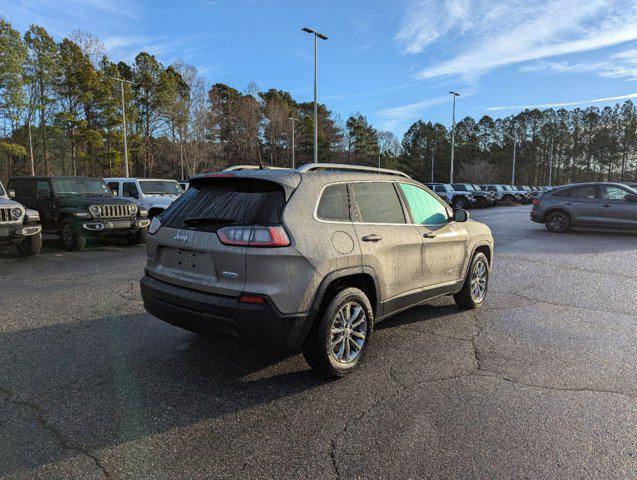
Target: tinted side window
114,186
23,188
334,204
425,209
43,189
378,202
588,191
129,189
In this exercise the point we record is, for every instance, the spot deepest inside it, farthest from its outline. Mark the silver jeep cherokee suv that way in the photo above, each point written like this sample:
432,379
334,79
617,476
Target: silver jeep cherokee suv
309,258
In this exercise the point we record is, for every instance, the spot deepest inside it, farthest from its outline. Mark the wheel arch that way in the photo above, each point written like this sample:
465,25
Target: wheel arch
363,278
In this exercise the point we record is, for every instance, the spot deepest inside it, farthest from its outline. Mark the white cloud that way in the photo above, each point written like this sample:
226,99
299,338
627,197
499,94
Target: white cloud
428,20
483,35
621,65
563,104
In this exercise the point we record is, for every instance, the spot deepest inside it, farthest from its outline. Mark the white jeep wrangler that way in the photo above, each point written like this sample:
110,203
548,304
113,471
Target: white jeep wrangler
153,194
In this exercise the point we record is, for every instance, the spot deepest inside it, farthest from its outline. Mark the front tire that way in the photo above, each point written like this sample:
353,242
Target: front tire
558,222
476,284
30,246
338,341
73,239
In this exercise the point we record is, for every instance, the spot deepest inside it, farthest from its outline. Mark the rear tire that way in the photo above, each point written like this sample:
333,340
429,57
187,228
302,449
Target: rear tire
73,239
138,237
476,284
30,246
557,222
339,338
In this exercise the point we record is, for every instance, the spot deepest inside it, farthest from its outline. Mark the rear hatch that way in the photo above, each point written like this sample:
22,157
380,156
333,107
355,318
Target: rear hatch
188,249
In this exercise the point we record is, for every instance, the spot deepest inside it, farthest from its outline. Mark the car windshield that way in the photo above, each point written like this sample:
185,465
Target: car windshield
160,187
80,186
2,194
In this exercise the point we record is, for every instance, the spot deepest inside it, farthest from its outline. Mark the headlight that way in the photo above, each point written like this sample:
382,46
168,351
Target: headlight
94,210
132,208
155,225
16,213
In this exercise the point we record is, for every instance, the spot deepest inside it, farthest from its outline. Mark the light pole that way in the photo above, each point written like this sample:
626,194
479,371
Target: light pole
515,144
293,120
453,132
121,83
433,156
551,165
317,35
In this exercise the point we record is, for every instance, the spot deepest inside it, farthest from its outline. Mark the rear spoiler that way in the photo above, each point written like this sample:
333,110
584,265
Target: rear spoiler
288,180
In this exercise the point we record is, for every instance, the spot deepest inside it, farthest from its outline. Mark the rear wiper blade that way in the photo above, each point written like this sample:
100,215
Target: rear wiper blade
207,220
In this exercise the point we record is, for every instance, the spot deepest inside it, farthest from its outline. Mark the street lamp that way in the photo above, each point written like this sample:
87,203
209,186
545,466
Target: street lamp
322,37
453,132
293,120
121,83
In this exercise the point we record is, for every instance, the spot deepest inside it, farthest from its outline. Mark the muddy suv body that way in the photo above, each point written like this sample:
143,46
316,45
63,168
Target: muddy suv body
151,194
79,208
19,226
303,258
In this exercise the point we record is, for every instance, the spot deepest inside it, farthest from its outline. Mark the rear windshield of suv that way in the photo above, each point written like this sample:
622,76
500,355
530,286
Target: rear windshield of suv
218,203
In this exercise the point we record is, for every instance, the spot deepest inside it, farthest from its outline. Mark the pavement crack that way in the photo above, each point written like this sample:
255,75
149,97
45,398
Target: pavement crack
42,421
501,376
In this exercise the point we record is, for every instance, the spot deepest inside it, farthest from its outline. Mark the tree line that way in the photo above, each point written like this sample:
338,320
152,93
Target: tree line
61,111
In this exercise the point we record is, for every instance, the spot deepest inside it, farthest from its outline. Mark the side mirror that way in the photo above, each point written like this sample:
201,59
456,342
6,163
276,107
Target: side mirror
460,215
114,192
11,193
631,197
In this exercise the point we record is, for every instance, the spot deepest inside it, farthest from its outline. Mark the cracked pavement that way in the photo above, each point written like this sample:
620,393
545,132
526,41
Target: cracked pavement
539,383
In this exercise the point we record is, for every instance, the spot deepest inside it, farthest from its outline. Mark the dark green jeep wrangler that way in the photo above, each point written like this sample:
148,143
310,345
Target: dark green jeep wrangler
80,207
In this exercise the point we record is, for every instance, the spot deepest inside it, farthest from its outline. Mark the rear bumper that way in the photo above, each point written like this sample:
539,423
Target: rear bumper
253,325
536,216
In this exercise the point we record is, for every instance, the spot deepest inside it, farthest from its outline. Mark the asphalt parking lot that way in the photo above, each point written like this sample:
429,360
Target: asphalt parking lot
540,383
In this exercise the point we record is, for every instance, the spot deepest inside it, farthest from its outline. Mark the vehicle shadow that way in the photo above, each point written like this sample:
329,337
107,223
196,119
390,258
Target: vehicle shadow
105,382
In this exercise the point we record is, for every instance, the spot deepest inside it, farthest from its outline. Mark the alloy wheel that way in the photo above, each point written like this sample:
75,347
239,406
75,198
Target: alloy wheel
479,277
558,222
348,333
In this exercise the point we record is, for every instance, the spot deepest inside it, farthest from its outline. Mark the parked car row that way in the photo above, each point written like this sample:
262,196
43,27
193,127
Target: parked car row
80,208
468,195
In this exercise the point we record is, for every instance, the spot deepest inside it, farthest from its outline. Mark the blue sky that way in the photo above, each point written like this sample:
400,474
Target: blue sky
392,60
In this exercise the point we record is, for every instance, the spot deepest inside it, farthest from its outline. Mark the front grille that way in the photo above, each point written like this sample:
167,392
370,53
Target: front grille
5,215
114,211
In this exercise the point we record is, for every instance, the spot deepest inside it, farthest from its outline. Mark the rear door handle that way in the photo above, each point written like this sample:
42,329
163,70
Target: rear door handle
429,235
606,205
372,238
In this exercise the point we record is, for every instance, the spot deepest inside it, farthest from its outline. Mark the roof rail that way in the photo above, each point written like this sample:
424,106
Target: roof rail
351,168
235,168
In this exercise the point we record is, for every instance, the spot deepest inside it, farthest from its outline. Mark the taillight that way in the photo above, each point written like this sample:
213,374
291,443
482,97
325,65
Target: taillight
536,201
254,236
